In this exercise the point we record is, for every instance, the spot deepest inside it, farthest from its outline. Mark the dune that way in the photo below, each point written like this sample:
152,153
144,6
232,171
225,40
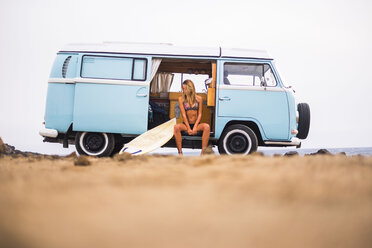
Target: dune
169,201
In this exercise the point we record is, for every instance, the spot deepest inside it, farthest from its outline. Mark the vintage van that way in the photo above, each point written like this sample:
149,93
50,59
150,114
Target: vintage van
101,96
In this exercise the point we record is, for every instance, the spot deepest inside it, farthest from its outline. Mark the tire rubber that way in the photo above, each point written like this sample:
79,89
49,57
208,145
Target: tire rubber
304,120
108,145
244,133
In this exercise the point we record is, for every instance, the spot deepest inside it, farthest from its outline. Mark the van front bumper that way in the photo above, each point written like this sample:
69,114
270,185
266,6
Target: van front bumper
47,132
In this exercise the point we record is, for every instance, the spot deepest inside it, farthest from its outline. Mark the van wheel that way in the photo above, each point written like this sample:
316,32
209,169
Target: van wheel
303,120
94,144
237,139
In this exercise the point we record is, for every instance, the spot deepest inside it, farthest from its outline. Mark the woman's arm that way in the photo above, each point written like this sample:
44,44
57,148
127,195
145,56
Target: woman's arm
200,101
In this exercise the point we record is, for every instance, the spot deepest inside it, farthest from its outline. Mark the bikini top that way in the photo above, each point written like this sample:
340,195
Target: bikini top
187,108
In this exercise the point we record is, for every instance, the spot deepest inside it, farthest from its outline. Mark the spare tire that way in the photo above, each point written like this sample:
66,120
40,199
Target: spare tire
304,120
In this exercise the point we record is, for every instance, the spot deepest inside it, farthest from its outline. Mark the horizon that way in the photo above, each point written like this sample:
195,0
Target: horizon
325,59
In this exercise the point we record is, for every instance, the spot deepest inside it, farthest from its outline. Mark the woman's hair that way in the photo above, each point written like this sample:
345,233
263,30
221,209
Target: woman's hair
190,93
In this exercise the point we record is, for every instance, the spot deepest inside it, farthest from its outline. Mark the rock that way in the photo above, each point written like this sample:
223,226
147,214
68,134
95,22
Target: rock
54,157
291,153
10,150
71,155
82,161
208,150
2,147
123,156
321,152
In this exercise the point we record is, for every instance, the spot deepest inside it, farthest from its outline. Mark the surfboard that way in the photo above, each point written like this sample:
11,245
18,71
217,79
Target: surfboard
150,140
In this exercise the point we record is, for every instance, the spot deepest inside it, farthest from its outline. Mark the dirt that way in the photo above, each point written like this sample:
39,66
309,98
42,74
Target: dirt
169,201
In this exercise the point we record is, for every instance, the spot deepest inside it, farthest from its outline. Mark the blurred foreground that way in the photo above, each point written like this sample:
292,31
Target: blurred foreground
168,201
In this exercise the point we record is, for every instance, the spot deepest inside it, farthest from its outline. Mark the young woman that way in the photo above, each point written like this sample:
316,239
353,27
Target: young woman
191,106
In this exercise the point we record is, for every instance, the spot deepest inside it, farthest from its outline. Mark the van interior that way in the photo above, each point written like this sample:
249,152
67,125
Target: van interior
166,87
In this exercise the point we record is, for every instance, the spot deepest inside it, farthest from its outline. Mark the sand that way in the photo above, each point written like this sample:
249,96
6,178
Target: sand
168,201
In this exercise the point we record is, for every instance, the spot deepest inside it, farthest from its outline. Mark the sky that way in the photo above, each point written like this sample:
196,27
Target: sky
323,49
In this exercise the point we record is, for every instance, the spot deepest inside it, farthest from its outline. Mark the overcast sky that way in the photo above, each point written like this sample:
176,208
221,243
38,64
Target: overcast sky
322,48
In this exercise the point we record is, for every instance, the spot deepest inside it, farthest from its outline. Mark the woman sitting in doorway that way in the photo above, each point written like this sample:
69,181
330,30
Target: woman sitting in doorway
191,106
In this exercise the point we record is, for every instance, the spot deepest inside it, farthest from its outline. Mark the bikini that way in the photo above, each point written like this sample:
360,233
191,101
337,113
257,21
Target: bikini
187,108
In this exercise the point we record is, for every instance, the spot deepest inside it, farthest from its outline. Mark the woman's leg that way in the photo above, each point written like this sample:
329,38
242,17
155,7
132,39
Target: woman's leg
205,138
177,135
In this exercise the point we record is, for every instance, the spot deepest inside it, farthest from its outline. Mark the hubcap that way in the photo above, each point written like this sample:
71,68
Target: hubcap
94,142
237,143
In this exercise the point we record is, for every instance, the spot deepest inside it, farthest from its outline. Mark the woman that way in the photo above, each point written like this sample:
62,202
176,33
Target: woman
191,106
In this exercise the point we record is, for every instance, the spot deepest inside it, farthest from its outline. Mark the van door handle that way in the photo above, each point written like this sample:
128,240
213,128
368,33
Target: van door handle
224,98
142,95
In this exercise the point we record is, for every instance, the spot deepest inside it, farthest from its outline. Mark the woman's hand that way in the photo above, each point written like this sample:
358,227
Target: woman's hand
189,131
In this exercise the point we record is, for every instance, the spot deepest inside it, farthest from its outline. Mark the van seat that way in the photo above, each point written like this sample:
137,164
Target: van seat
184,133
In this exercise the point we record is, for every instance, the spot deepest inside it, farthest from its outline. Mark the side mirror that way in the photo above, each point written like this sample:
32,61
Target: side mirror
263,82
208,81
290,87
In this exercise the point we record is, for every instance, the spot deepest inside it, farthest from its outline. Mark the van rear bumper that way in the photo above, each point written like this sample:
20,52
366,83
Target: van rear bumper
47,132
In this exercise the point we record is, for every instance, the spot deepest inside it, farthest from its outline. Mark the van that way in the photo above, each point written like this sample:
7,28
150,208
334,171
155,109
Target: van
101,96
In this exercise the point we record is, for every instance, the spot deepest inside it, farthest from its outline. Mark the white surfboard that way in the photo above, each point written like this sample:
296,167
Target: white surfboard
150,140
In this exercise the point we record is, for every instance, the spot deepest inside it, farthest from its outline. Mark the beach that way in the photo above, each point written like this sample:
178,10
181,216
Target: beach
170,201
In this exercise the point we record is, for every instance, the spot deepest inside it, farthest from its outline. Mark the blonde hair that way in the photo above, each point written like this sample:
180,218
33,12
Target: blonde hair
189,96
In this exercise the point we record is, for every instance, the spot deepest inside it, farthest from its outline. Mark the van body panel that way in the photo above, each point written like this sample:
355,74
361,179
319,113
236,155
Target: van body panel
223,121
111,108
60,96
59,106
71,66
268,106
292,108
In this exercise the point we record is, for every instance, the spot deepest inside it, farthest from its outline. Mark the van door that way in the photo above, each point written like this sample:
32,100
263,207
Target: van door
250,92
112,94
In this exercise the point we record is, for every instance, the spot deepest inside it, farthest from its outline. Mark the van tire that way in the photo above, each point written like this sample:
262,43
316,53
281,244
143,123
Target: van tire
117,148
94,144
303,120
237,139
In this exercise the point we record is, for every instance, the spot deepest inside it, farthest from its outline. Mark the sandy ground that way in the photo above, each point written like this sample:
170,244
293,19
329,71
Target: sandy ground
167,201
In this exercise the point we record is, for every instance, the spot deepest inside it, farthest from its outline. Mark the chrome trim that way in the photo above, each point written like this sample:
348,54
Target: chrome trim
47,132
294,142
97,81
252,88
62,80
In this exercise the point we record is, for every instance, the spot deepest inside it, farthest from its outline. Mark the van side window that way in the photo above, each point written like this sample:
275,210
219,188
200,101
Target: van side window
197,79
248,75
105,67
139,69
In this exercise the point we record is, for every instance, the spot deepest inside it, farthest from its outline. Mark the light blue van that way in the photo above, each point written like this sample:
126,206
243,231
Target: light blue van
101,96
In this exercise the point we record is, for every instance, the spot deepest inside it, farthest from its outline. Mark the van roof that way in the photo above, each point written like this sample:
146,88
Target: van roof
159,49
